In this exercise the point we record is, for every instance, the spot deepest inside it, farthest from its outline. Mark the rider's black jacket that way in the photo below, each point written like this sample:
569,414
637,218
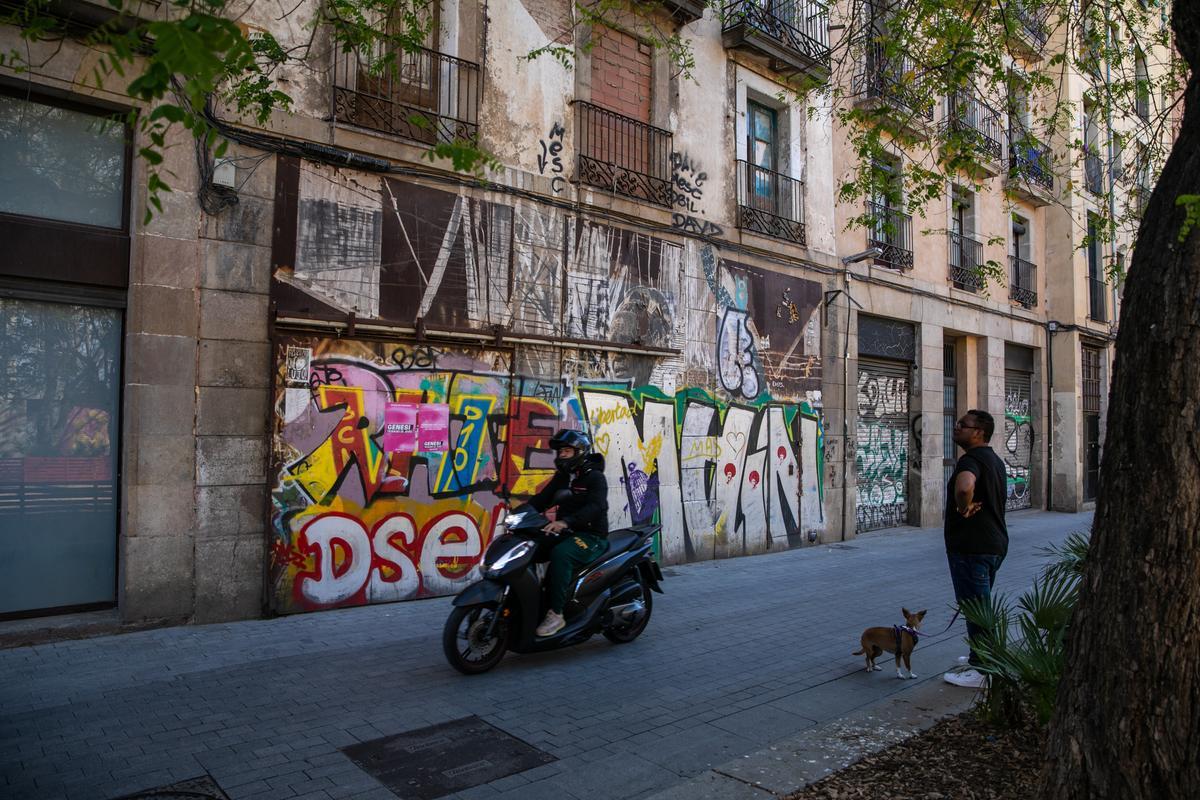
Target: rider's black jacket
581,497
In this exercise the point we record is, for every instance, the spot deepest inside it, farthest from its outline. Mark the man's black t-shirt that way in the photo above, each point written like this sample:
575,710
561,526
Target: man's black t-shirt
985,532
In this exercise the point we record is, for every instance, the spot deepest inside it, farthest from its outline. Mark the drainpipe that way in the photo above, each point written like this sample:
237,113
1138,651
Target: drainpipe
868,254
1112,159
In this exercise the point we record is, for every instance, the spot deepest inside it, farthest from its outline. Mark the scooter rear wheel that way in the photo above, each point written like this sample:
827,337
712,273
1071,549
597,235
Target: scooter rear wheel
618,634
464,644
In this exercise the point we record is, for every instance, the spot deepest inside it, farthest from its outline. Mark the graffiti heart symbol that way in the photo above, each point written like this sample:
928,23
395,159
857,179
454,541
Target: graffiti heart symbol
603,440
736,441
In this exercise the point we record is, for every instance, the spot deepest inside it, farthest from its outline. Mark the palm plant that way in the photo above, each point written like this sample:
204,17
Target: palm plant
1022,649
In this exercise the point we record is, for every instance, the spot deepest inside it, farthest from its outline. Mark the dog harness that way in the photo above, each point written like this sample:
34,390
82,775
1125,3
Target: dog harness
902,629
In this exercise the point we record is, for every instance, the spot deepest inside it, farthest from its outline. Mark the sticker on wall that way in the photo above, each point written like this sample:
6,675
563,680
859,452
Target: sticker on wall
433,419
295,401
299,362
400,428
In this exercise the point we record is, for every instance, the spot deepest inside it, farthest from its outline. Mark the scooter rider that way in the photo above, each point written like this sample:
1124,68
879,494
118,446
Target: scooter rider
580,491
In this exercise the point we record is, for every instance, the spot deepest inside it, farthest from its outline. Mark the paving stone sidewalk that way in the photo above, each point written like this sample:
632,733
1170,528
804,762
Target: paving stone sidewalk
740,654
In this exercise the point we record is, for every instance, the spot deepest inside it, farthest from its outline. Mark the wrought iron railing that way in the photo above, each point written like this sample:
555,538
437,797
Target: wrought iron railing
802,25
622,154
1097,304
424,95
966,114
1033,24
1093,171
966,256
1022,281
770,203
896,80
1029,159
891,231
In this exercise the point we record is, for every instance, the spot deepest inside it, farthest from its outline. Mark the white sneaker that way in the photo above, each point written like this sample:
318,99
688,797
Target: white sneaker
552,624
968,678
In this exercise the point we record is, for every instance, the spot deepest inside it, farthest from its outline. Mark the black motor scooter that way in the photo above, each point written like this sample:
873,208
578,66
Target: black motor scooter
501,611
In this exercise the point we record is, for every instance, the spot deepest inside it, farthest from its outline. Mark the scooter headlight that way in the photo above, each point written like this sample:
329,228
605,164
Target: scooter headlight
515,554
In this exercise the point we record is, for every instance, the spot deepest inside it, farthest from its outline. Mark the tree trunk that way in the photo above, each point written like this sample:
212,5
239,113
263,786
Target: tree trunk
1127,723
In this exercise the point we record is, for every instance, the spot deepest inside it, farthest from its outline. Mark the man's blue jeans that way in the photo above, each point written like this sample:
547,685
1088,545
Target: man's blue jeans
973,576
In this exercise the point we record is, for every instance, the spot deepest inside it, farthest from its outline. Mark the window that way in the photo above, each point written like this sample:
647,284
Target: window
890,228
966,252
425,95
770,196
1022,274
1097,306
1142,77
1020,236
618,149
1093,173
61,163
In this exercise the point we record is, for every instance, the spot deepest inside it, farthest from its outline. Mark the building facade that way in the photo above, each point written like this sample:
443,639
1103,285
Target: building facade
323,371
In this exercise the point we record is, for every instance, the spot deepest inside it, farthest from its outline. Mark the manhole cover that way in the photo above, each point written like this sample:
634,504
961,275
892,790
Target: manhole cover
202,788
442,759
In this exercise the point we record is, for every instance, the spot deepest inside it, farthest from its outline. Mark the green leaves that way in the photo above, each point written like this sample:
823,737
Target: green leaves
1023,649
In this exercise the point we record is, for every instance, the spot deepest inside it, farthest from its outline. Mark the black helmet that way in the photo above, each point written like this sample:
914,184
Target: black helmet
580,441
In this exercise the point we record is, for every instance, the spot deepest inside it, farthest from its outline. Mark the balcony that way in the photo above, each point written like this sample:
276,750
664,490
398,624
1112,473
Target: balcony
792,34
1029,167
622,155
966,255
1030,28
978,124
685,10
1022,281
1093,171
891,231
1097,306
894,80
424,96
770,204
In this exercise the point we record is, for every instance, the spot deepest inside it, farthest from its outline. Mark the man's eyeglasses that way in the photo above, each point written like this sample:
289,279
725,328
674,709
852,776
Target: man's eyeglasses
960,424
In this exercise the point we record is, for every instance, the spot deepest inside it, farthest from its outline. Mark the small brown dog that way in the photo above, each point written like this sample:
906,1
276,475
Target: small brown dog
898,639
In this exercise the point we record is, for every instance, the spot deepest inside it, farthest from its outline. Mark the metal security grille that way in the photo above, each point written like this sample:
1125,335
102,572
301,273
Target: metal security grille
1018,437
949,410
1091,380
1091,421
881,449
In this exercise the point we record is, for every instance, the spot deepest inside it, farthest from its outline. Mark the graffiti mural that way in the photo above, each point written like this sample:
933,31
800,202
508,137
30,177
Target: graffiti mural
354,524
706,406
882,448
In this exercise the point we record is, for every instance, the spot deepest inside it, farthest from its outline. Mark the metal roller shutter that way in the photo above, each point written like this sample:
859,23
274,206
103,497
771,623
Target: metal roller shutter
881,449
1017,450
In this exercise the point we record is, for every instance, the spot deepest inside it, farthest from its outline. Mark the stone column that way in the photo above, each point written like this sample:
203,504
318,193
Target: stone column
233,388
927,427
158,477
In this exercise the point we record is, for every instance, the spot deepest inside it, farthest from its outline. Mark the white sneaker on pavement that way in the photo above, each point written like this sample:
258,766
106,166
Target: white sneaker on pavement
552,624
967,678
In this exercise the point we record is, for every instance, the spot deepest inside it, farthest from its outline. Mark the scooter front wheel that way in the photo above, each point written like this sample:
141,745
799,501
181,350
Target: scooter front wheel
466,643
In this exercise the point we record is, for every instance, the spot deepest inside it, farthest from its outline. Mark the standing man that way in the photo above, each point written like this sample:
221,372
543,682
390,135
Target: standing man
976,533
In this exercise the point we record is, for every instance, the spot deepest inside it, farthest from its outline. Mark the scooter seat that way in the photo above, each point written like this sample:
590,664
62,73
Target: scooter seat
619,541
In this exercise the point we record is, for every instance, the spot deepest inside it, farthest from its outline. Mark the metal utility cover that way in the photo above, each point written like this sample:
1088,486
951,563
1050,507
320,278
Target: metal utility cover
442,759
202,788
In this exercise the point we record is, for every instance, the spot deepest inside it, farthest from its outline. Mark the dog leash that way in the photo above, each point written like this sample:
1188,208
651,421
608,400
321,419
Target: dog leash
957,611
